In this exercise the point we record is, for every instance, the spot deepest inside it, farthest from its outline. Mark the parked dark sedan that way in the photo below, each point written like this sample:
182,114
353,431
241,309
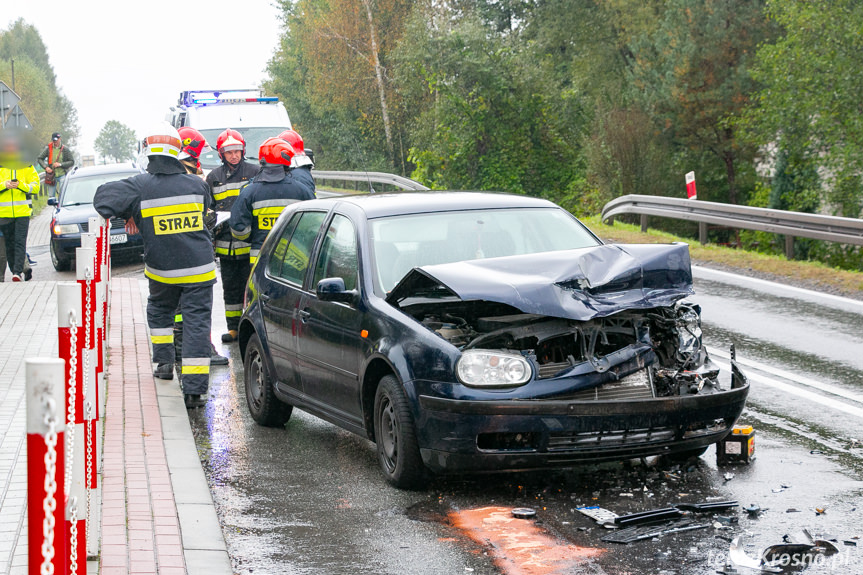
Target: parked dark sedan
467,332
73,210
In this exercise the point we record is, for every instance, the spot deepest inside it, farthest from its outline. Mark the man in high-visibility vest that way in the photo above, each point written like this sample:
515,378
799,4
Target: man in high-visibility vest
19,181
168,206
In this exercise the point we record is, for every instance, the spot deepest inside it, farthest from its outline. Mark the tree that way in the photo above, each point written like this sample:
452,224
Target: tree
117,141
810,96
41,100
692,73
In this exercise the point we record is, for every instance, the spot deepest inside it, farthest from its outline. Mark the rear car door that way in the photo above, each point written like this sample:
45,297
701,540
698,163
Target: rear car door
287,266
329,338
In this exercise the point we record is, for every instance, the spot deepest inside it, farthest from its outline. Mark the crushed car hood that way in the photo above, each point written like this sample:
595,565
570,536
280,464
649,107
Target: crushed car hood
577,284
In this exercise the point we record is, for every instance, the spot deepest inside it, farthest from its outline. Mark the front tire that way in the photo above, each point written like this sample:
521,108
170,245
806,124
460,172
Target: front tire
395,436
265,407
60,262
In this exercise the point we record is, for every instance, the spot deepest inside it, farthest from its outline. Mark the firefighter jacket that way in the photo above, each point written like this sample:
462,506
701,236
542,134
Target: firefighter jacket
261,202
225,185
303,174
168,206
15,202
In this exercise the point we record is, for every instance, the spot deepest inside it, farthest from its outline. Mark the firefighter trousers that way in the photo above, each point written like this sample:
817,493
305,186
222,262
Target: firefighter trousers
197,305
235,274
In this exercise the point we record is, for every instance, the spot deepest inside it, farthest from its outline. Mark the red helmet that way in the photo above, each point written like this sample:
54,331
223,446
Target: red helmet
295,140
193,141
276,151
230,140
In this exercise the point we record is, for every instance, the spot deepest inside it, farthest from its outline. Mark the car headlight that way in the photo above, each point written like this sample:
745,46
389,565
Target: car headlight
688,331
60,229
485,368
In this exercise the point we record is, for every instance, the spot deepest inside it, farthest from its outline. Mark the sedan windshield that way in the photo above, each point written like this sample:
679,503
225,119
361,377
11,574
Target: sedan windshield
402,243
81,190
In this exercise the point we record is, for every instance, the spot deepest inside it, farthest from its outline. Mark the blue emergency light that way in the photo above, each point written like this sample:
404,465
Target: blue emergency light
205,97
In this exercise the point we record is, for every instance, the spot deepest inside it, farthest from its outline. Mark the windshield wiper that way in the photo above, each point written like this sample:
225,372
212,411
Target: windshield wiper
77,204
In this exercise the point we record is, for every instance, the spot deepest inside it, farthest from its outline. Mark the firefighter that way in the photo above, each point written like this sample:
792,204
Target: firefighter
301,163
261,202
194,144
168,207
225,183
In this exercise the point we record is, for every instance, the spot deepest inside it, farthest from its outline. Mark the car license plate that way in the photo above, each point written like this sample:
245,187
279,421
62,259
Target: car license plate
118,238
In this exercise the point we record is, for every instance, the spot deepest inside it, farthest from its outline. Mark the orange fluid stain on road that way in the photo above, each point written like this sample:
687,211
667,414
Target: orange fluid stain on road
519,546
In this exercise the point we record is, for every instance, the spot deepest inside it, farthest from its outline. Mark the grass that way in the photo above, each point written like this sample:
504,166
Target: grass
811,274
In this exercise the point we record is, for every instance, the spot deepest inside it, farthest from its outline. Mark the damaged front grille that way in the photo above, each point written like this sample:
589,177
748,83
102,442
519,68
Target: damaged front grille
609,438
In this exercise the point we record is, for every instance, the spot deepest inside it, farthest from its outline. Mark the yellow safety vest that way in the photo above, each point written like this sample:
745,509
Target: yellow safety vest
14,203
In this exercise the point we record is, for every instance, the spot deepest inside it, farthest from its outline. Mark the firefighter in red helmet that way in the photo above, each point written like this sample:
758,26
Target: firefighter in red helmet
261,202
225,183
301,163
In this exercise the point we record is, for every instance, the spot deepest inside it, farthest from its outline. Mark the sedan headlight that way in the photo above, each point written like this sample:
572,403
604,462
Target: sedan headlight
60,229
689,331
485,368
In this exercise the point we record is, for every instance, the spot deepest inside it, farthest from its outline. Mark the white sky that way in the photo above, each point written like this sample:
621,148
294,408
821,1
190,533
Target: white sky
129,61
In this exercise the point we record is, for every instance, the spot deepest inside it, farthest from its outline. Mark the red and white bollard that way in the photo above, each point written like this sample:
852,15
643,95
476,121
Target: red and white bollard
46,543
71,326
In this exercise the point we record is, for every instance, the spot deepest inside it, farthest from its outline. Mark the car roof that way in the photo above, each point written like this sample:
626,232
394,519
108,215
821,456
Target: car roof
401,203
102,169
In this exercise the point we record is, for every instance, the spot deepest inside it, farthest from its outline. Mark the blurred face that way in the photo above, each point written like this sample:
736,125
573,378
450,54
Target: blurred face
233,157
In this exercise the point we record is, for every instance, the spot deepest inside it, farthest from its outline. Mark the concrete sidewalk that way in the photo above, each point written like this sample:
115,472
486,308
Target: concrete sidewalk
157,512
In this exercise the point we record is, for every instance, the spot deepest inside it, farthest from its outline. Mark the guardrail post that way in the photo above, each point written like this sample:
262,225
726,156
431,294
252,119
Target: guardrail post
46,544
643,223
702,233
789,247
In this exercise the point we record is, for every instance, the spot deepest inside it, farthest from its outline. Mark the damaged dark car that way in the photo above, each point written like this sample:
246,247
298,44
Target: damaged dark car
472,332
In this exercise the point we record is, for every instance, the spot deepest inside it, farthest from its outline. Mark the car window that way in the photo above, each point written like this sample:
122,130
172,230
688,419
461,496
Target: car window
294,252
81,190
402,243
277,258
338,257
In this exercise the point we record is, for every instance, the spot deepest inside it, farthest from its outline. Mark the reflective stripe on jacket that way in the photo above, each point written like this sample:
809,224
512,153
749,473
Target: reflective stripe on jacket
168,207
261,202
225,186
14,203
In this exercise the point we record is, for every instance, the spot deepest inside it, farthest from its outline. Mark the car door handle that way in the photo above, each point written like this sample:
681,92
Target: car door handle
265,298
304,315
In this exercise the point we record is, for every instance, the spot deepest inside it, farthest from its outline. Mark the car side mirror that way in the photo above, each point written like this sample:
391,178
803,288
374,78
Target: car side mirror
333,289
52,201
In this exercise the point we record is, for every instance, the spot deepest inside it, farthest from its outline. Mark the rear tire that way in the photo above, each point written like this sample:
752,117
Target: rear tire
61,263
265,407
395,436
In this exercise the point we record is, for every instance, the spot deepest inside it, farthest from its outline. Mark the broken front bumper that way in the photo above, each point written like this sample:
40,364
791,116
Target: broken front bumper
470,435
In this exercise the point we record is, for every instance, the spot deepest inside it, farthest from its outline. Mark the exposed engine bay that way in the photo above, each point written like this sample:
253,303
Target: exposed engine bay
664,341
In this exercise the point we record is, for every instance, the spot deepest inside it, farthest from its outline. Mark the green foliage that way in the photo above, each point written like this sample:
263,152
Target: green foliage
42,102
811,83
117,141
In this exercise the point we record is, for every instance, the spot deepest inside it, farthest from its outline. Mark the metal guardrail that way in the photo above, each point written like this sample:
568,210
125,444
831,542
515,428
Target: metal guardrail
368,178
791,224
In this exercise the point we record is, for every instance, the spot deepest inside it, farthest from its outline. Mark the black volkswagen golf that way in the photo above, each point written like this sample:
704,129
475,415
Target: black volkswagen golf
469,332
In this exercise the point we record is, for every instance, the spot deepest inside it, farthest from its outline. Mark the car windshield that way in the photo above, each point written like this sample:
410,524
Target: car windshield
254,138
80,190
401,243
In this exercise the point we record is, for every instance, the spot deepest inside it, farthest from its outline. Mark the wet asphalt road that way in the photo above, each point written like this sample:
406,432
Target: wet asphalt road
310,499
